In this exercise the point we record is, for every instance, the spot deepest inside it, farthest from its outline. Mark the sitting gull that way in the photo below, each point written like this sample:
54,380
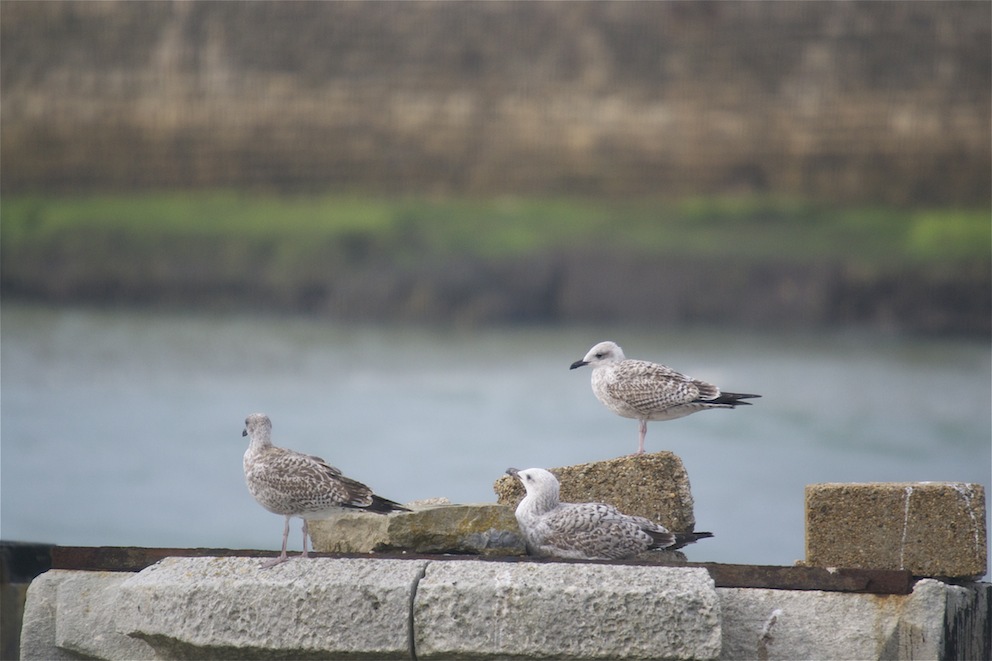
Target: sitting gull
585,531
295,484
648,391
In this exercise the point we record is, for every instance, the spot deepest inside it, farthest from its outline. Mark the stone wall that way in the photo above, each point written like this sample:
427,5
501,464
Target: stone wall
849,102
469,609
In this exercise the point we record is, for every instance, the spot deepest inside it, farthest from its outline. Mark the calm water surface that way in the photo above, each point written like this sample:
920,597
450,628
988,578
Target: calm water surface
124,428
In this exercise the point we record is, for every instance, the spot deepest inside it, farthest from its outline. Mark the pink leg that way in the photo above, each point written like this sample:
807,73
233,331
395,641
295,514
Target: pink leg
640,438
305,535
282,557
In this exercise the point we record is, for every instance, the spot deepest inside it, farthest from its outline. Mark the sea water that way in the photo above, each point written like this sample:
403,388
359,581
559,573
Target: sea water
124,427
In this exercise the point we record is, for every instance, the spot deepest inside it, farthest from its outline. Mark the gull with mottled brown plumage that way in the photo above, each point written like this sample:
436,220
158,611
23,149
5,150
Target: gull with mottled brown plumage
585,531
292,484
646,391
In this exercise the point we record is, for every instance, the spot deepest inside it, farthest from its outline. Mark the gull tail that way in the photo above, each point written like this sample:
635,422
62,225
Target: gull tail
660,539
382,505
685,538
731,399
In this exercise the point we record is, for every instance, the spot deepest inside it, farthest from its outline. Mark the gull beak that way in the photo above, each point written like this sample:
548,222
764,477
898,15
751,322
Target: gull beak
512,472
578,363
244,432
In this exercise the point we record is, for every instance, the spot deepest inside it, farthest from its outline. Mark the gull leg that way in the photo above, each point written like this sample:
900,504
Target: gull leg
640,437
305,535
282,557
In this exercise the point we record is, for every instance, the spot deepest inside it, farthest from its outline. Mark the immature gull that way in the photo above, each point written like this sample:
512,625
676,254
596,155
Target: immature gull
295,484
586,531
649,391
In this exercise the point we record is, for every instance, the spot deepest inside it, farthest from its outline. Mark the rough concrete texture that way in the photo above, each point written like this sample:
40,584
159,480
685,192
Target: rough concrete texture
654,486
481,610
479,529
86,624
928,528
470,609
936,621
231,608
70,615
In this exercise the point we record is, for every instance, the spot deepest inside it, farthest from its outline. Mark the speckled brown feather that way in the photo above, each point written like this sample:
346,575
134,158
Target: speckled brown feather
584,530
292,483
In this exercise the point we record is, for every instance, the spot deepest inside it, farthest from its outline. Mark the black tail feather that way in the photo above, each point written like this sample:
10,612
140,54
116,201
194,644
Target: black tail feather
379,505
685,538
384,505
731,399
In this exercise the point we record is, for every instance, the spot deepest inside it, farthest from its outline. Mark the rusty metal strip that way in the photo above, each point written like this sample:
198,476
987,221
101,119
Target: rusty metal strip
875,581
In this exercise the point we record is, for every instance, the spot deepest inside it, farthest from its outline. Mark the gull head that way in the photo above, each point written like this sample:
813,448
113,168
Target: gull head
601,354
257,427
536,481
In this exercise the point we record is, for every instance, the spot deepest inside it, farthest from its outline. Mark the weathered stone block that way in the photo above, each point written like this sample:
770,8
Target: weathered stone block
70,615
654,486
230,607
497,610
936,621
85,618
928,528
40,609
479,529
348,532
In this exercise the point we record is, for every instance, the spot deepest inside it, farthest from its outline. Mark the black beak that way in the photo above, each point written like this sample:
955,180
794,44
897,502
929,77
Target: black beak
578,363
512,471
244,432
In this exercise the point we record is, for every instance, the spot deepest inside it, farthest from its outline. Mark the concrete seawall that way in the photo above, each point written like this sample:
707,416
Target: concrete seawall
469,609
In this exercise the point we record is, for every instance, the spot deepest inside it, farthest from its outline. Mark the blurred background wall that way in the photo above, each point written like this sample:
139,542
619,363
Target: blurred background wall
393,225
880,102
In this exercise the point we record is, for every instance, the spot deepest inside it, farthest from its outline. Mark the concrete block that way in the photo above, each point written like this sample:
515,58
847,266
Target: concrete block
485,529
967,631
654,486
38,627
69,615
85,618
936,621
350,532
928,528
230,607
788,624
498,610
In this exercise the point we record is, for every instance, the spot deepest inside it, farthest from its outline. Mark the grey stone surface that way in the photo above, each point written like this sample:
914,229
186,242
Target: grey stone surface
70,615
964,631
780,624
655,486
483,610
40,608
230,608
485,529
928,528
85,621
472,609
792,624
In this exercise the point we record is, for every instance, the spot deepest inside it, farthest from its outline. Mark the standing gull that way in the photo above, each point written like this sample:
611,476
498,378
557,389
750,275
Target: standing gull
295,484
648,391
585,531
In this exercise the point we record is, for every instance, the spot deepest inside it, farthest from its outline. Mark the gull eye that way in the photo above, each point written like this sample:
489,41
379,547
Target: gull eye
600,355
